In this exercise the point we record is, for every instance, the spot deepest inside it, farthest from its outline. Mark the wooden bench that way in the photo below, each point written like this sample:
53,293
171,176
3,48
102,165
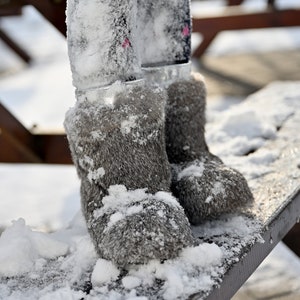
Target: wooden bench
277,194
277,207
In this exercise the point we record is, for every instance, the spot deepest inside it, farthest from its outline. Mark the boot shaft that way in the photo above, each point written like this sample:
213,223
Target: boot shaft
185,120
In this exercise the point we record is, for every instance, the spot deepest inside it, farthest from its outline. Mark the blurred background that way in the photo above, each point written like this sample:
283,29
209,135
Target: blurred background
239,46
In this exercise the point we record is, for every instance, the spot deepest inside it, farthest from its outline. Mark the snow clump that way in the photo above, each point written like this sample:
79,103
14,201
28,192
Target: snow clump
22,250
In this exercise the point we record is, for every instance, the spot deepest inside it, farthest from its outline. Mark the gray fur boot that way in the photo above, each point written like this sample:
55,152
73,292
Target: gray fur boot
205,187
116,136
119,153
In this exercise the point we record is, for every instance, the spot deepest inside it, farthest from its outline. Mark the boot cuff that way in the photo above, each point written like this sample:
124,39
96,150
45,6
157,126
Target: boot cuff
166,75
106,94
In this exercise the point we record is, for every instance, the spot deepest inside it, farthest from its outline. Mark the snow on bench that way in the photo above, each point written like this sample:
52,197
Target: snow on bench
260,137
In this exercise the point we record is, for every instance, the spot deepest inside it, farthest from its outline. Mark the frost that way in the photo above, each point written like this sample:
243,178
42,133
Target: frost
91,38
98,135
156,27
86,162
126,202
118,196
116,217
193,170
127,125
247,126
173,223
96,174
65,293
121,203
217,188
167,198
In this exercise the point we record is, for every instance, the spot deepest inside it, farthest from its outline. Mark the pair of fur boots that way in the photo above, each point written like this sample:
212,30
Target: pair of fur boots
145,168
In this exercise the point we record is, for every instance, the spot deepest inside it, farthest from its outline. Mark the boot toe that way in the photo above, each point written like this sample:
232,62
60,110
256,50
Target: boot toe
150,229
216,190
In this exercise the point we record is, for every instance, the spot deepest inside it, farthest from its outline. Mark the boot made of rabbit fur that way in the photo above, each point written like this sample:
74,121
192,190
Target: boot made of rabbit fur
118,147
205,187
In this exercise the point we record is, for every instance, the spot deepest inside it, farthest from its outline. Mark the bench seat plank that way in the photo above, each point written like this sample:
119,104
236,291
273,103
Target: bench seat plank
276,207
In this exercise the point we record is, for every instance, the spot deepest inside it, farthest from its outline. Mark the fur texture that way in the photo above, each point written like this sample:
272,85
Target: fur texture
165,28
204,186
124,144
102,43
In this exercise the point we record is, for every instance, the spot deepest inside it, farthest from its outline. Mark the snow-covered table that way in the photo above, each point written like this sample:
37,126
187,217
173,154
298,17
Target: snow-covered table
260,137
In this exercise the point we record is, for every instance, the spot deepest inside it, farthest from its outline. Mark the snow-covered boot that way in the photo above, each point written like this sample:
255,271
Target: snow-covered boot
204,186
116,137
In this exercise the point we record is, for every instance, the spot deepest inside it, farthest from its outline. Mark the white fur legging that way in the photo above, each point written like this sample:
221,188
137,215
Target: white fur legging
110,40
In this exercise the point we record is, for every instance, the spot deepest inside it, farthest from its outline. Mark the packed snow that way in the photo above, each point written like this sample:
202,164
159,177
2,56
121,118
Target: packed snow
125,202
22,249
193,170
37,264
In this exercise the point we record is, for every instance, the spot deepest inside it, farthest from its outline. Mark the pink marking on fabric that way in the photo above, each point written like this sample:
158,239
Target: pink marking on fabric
186,31
126,43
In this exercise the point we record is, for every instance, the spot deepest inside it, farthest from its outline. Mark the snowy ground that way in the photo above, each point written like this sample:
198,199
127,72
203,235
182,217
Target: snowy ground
47,197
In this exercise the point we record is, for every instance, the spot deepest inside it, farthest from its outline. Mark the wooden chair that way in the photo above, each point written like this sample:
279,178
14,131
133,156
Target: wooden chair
235,17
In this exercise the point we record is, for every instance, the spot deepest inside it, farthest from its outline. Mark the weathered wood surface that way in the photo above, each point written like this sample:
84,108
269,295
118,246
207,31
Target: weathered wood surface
276,206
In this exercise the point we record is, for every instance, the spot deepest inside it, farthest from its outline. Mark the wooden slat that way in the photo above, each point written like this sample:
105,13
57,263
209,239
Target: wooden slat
15,47
276,205
234,2
236,19
53,11
10,4
16,142
19,145
53,148
10,11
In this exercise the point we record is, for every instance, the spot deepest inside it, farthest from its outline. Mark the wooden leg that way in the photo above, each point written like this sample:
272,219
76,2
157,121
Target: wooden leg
208,37
292,239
